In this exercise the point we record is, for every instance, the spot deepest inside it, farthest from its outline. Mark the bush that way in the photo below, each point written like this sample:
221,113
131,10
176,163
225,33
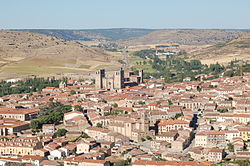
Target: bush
143,139
222,110
115,105
84,135
72,92
60,132
99,125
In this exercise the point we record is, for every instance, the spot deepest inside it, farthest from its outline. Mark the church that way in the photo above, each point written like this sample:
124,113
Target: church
117,79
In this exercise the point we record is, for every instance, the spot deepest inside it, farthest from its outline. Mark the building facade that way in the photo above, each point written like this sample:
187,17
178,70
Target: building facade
116,79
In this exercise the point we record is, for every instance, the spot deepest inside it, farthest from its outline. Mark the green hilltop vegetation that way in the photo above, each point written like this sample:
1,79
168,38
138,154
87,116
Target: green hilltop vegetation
175,68
92,34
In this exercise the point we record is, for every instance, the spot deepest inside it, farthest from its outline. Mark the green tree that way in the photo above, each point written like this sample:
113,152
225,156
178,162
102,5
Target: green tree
222,110
99,125
141,102
35,124
178,115
84,135
115,105
170,102
60,132
72,92
143,139
78,108
230,147
52,113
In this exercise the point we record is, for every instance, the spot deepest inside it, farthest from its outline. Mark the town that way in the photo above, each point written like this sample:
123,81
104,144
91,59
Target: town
121,118
124,83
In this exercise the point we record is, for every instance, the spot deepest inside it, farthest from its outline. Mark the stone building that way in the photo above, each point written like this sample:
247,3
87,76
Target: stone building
11,126
19,146
134,127
116,79
48,128
210,139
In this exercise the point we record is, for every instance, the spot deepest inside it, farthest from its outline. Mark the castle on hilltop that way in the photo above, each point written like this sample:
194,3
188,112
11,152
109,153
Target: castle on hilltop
117,79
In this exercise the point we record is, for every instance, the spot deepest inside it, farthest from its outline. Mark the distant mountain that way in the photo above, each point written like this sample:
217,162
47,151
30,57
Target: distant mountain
186,37
93,34
137,36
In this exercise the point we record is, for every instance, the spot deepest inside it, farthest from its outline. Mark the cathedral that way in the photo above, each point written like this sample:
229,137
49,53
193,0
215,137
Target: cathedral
117,79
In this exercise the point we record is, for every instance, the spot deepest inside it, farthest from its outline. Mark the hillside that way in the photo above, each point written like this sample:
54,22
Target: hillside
224,52
93,34
185,37
31,53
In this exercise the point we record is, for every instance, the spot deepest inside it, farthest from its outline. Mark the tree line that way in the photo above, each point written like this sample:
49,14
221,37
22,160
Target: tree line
28,85
175,69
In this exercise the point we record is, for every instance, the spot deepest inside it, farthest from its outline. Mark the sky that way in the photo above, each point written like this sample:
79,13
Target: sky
95,14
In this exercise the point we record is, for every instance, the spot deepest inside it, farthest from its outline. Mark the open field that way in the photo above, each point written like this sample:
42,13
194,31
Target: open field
135,63
238,49
24,53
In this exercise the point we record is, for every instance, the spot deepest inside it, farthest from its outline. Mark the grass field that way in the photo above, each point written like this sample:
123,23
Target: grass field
135,63
85,66
48,65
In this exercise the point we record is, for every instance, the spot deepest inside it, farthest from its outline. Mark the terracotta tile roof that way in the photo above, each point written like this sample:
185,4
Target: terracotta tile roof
172,122
172,163
98,129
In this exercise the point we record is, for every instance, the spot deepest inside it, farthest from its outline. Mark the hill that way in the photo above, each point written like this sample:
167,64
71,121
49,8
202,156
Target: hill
185,37
93,34
32,53
224,52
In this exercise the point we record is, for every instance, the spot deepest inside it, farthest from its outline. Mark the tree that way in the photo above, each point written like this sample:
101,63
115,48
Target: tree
84,135
99,125
78,108
50,114
72,92
60,132
141,102
178,115
170,102
27,86
102,101
123,162
199,89
148,138
222,110
35,124
143,139
230,147
115,105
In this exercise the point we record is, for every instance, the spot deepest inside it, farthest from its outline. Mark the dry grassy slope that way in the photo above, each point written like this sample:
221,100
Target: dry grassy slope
30,53
185,37
224,52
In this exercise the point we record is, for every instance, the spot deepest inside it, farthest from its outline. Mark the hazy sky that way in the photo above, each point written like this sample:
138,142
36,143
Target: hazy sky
83,14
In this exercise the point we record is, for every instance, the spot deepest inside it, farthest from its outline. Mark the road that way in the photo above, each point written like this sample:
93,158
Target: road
125,59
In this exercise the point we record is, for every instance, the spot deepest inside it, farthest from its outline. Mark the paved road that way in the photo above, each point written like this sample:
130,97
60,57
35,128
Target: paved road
125,59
